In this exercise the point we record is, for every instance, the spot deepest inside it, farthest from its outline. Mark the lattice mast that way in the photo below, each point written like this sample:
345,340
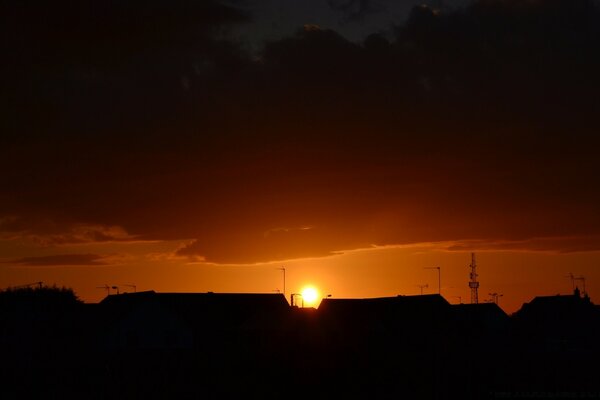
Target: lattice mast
473,283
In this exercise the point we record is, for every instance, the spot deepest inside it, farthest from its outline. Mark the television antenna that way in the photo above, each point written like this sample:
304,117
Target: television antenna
495,297
105,287
582,279
131,286
572,277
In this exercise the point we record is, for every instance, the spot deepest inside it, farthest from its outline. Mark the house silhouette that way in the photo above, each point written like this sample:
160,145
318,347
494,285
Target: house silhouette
232,345
190,320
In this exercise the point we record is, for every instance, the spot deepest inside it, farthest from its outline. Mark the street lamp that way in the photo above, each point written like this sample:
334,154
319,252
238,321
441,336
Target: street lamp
283,269
439,278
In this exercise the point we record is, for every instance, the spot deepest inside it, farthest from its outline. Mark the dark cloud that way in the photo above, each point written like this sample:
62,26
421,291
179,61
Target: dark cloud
354,10
50,233
102,34
545,244
475,124
96,66
60,260
271,245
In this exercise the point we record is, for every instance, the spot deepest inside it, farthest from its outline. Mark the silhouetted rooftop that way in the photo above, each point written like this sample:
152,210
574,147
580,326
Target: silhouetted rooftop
431,300
220,309
241,299
480,308
480,319
389,313
400,298
558,304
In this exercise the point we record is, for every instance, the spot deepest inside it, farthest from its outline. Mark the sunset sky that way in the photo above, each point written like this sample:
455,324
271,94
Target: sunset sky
200,145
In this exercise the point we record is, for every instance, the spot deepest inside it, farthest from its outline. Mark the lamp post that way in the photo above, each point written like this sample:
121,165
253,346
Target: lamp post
439,278
283,269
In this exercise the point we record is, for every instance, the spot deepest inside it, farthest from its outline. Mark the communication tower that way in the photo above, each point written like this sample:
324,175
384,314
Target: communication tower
473,283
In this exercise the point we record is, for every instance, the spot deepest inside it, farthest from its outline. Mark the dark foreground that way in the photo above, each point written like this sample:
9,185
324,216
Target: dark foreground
203,346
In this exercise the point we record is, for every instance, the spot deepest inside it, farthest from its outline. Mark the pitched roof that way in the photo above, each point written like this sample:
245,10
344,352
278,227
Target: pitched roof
560,311
394,313
243,300
431,301
480,309
222,309
480,317
555,304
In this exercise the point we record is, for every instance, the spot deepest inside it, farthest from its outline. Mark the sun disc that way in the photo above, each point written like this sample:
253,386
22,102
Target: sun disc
310,295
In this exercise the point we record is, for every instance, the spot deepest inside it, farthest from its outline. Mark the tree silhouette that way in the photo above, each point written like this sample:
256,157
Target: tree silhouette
48,295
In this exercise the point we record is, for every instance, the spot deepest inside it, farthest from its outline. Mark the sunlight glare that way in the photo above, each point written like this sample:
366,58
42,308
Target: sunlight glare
310,295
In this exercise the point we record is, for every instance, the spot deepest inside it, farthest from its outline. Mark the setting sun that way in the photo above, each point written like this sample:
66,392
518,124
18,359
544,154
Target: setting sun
310,295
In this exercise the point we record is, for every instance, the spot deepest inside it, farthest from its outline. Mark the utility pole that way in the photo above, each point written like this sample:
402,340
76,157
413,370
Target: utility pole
439,270
283,269
422,287
473,283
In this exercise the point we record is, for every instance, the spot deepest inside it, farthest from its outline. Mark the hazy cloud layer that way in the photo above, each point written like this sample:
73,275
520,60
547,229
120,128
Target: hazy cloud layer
475,124
60,260
48,232
544,244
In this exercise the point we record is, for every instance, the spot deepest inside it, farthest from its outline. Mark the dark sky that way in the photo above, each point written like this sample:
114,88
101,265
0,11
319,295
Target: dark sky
172,120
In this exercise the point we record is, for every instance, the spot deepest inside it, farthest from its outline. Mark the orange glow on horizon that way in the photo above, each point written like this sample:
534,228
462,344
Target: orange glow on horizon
377,272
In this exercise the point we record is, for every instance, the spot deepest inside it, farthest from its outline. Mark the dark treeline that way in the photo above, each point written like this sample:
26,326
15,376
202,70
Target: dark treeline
207,345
